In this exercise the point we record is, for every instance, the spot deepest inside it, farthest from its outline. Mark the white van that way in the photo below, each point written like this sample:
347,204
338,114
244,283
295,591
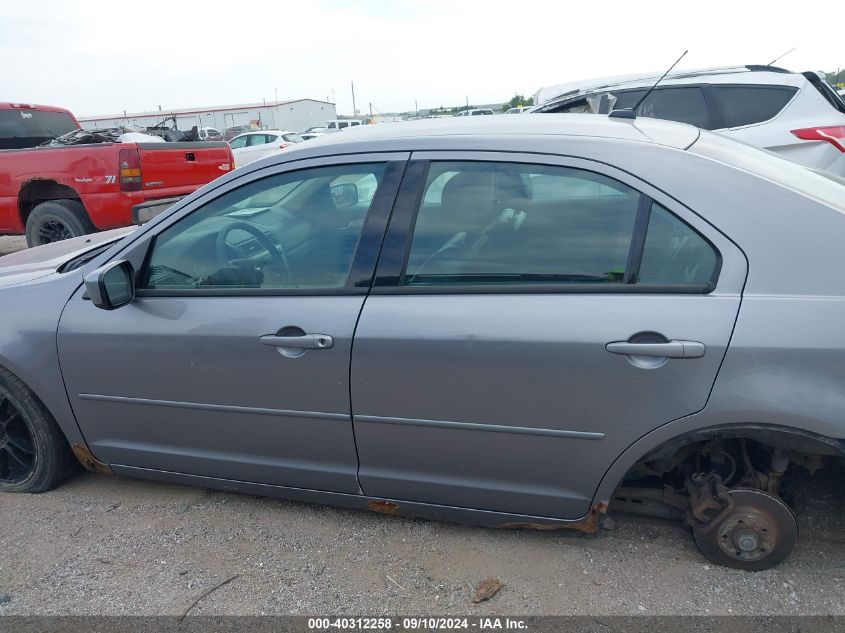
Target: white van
342,124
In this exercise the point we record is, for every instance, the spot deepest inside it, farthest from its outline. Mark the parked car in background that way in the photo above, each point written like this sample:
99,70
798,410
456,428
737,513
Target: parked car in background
315,129
341,124
210,134
26,125
86,181
517,110
567,311
307,136
232,132
249,147
797,115
475,112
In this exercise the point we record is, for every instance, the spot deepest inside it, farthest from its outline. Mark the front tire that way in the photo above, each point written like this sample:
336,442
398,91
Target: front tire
56,220
34,454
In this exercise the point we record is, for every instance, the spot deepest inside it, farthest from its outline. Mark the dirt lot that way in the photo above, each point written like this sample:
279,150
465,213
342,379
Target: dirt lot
11,244
105,545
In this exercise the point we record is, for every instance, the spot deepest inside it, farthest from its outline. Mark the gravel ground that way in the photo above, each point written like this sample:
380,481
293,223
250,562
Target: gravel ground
11,243
106,545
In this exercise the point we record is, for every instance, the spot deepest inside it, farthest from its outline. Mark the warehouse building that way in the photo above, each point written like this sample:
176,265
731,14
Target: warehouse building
295,115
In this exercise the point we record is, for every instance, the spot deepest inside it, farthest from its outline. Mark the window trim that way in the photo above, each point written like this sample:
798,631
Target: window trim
391,269
362,266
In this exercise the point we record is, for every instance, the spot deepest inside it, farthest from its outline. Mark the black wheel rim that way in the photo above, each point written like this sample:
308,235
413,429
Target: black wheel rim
17,449
53,231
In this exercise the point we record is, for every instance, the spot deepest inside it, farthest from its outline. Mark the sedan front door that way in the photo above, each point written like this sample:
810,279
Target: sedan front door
233,360
532,317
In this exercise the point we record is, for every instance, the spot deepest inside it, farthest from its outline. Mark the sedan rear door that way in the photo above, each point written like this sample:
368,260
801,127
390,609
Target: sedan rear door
532,317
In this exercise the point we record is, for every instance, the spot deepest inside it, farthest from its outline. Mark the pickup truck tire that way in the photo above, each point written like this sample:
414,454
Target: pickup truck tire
56,220
34,454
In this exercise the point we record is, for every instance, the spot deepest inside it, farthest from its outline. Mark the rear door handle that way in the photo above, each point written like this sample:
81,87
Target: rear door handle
670,349
306,341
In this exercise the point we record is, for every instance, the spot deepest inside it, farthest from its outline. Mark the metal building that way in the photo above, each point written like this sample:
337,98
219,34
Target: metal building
295,115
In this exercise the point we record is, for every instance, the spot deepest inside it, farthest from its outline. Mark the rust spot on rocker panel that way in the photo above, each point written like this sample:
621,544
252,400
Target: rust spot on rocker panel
88,461
589,524
383,507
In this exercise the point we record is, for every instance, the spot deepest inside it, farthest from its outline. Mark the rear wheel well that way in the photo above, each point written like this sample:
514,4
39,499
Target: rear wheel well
36,191
762,457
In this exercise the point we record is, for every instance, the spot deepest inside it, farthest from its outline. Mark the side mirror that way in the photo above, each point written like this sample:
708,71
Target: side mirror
344,195
111,286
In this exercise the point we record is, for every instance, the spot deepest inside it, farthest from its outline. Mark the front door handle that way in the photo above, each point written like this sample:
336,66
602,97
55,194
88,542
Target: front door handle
305,341
670,349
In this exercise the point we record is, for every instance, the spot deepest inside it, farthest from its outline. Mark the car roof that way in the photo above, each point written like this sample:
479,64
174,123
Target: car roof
261,132
669,133
727,74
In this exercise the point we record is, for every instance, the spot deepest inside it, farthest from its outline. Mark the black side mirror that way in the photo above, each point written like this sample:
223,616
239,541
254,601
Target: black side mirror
111,286
344,195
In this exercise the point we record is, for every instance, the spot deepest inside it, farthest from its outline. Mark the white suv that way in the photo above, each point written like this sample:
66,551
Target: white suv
797,115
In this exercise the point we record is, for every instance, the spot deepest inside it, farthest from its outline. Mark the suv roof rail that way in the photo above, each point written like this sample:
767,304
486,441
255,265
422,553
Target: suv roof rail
764,67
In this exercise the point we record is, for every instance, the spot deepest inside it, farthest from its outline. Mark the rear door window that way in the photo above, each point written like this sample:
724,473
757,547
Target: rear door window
485,225
745,105
490,223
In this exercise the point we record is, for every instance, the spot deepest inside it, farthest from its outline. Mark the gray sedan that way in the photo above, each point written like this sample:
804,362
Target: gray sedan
513,321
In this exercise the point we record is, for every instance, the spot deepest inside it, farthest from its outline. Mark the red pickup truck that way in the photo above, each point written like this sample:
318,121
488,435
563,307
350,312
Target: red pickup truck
60,191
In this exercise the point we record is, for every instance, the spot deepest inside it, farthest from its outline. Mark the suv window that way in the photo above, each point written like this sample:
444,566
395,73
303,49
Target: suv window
744,105
342,124
686,105
290,231
508,223
257,139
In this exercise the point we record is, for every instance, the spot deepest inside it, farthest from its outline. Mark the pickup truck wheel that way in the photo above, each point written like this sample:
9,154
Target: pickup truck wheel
56,220
34,455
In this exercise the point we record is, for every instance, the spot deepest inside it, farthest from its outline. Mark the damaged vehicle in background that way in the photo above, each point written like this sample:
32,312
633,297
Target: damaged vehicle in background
797,115
511,321
63,181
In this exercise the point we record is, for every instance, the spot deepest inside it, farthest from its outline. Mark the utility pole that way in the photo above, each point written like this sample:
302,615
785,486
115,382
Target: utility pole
354,109
371,110
276,93
417,108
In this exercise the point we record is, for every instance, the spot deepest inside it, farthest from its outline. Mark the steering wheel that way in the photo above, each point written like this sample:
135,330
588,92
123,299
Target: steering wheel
276,250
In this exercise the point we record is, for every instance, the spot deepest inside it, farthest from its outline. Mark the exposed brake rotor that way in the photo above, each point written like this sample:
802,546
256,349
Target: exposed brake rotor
756,533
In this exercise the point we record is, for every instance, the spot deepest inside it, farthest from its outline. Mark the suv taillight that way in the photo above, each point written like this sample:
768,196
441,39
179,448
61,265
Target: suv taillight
129,165
833,134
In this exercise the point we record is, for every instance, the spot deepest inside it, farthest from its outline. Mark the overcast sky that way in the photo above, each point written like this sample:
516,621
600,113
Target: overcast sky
107,56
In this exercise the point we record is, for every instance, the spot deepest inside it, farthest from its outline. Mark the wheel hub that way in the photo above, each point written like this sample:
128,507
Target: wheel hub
17,453
758,532
53,231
